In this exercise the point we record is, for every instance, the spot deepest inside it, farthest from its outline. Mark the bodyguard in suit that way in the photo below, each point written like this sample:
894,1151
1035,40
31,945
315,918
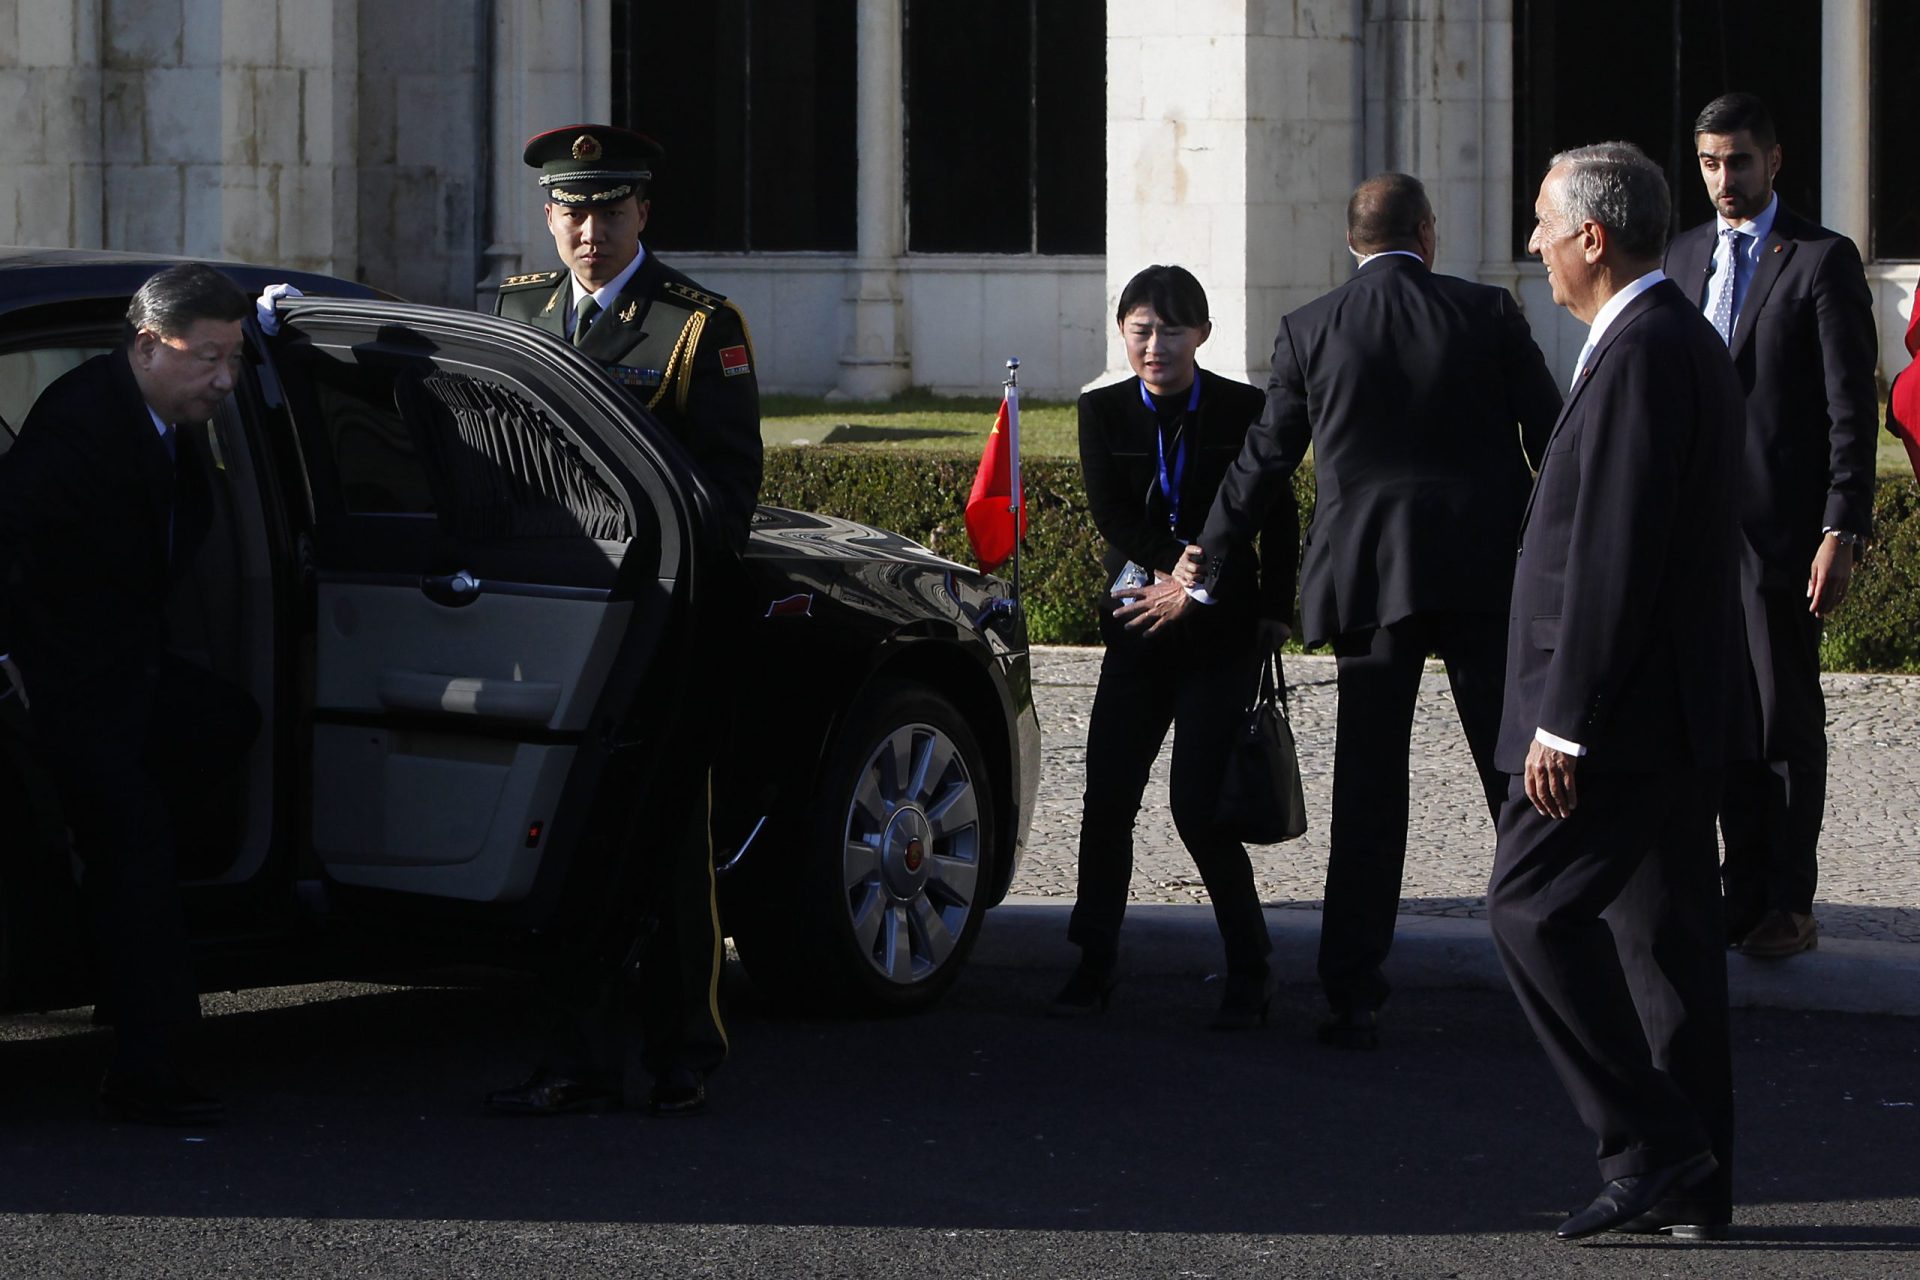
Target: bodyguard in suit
103,502
1790,300
1604,904
1423,397
685,354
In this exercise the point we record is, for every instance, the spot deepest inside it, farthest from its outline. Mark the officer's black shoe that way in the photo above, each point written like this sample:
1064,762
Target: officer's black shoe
1351,1029
170,1100
552,1093
1244,1002
680,1091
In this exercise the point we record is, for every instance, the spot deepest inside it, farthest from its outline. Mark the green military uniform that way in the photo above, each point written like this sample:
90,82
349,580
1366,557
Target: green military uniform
686,356
684,352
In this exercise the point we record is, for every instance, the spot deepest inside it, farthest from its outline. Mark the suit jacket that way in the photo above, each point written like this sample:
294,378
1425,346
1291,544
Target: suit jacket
87,494
685,354
1626,605
1805,348
1423,397
1120,459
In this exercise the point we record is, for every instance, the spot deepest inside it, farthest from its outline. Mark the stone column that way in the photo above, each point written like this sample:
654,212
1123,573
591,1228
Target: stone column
1233,141
1439,105
552,65
874,362
1846,145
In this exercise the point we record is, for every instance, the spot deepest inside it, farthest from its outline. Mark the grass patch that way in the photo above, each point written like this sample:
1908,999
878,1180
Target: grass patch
917,420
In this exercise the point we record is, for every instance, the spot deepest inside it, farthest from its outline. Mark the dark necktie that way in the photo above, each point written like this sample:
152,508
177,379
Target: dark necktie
1722,310
589,311
170,442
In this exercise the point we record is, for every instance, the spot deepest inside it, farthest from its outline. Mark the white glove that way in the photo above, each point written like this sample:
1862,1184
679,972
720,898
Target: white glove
263,306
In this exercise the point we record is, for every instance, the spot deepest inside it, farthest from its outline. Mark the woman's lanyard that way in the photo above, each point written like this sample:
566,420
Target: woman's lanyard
1170,484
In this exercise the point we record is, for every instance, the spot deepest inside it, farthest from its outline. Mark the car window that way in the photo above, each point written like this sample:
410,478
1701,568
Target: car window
377,463
25,374
406,437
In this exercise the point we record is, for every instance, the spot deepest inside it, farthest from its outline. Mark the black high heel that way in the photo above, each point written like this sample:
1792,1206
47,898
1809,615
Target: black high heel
1244,1002
1088,989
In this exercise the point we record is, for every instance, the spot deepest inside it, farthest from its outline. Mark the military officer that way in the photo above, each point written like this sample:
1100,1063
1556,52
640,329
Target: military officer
683,350
685,354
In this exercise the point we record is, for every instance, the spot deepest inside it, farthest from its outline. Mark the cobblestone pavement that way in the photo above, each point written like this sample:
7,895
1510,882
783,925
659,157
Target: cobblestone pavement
1869,852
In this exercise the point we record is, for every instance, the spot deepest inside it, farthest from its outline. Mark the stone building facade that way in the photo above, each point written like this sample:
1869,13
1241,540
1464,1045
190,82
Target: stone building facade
381,141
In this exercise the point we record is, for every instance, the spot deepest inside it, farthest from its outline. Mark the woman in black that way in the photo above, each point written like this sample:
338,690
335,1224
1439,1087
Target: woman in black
1154,449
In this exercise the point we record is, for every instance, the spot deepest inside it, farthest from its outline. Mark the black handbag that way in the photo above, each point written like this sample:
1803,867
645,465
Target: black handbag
1260,797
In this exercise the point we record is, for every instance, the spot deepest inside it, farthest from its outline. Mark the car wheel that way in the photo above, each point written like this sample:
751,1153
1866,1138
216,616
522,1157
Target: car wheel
887,893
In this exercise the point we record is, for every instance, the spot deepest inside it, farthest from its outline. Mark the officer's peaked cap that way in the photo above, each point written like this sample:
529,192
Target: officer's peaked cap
589,164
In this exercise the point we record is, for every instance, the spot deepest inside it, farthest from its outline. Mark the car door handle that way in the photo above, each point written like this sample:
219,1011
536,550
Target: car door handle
454,590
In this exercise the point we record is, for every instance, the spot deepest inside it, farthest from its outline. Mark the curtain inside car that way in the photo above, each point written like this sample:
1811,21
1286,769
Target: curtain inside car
506,470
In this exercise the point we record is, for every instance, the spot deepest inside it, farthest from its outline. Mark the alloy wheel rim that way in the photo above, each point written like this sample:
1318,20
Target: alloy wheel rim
911,853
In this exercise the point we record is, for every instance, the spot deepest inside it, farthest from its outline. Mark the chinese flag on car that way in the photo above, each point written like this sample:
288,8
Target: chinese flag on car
990,505
1903,403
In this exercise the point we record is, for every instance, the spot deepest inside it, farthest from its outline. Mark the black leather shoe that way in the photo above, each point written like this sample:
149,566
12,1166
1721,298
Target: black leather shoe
550,1093
680,1091
1088,989
1680,1219
1351,1029
1624,1199
1244,1002
133,1100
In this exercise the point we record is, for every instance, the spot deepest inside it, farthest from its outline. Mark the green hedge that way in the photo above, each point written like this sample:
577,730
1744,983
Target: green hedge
1878,629
923,495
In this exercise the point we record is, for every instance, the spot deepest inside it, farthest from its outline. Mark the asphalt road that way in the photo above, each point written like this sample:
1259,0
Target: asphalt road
981,1140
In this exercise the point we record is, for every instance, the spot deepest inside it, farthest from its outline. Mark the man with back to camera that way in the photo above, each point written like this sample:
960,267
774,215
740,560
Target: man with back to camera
1604,902
103,502
1790,300
1422,396
685,355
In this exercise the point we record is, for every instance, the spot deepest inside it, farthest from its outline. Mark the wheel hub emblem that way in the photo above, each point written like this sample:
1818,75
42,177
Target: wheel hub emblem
916,854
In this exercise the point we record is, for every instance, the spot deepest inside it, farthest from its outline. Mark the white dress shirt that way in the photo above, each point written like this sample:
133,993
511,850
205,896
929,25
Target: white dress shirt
606,293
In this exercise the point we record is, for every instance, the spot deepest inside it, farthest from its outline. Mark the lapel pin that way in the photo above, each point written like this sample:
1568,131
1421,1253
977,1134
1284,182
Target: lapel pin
631,310
1779,248
548,309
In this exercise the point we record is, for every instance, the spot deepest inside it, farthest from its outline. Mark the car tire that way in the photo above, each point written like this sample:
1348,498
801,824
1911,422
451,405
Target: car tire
880,906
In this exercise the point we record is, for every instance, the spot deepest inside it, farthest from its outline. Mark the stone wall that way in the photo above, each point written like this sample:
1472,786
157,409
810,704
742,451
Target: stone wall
296,132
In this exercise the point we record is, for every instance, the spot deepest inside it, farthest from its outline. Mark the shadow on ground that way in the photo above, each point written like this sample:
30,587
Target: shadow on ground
983,1115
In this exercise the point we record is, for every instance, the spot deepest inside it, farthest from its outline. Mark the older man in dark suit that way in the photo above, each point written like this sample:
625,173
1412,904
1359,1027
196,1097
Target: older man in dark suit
102,504
1604,903
1423,397
1790,300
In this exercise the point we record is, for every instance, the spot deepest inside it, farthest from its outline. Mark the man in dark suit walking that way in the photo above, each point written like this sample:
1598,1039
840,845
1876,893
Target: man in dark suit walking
102,505
1790,300
1603,901
1423,397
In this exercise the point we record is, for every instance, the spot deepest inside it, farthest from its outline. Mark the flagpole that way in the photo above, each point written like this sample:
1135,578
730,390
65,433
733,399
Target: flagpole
1013,444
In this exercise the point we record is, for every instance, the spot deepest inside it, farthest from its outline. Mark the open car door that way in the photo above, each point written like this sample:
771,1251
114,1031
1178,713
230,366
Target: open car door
493,555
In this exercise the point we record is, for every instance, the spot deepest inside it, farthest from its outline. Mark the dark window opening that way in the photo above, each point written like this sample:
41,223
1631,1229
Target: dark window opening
404,438
1006,126
755,102
1647,91
1895,195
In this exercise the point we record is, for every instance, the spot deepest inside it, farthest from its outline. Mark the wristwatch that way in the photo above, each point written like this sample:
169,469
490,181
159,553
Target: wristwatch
1854,540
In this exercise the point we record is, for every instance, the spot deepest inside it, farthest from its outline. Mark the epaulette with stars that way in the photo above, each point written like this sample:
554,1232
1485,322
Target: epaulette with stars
532,280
